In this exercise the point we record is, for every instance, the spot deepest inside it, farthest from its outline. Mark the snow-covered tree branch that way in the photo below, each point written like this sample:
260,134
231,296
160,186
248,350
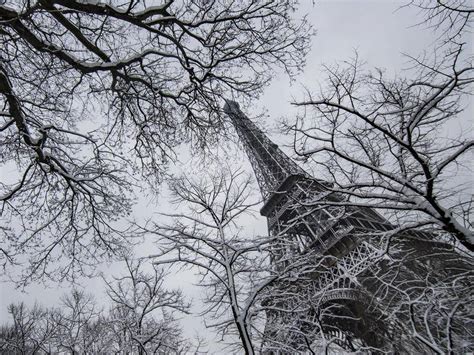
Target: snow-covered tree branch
141,314
96,95
395,144
233,268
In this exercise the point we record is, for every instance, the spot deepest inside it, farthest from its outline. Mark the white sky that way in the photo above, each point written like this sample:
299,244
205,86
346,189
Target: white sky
374,28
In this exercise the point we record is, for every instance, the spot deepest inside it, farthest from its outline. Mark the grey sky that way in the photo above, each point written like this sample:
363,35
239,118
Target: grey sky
378,30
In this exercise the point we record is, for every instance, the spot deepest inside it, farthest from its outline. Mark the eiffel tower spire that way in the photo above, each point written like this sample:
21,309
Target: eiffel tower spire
271,166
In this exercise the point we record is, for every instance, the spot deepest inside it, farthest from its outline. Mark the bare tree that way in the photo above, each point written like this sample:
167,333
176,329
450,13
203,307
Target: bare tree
393,144
32,331
79,311
450,18
142,311
99,335
131,326
233,268
95,95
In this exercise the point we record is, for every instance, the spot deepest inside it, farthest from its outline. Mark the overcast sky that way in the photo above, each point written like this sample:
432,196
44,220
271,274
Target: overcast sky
378,30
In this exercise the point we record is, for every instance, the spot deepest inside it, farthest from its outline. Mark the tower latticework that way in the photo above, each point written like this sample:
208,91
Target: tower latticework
270,164
290,193
342,294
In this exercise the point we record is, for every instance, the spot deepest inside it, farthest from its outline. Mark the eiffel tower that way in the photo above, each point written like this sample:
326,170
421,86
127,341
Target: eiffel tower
341,295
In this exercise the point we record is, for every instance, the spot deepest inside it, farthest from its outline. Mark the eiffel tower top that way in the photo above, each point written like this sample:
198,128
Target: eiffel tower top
271,166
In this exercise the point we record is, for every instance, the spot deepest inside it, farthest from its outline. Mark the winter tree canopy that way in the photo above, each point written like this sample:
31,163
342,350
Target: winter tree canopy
96,95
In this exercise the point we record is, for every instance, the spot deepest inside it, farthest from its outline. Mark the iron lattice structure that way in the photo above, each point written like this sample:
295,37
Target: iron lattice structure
344,241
